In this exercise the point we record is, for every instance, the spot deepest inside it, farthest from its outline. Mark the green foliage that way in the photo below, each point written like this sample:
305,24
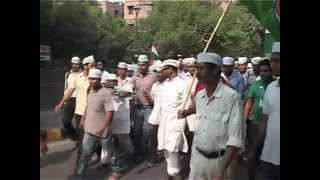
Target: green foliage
80,29
183,27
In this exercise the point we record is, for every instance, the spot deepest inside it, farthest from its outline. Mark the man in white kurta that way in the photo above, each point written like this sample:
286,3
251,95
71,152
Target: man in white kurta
171,137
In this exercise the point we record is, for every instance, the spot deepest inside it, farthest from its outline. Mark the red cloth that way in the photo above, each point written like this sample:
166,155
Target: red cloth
199,87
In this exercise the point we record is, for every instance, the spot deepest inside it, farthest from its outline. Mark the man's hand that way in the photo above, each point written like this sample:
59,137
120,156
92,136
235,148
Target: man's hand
102,131
58,107
220,177
182,114
82,122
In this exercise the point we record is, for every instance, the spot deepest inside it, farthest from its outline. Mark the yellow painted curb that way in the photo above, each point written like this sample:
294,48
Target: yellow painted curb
54,134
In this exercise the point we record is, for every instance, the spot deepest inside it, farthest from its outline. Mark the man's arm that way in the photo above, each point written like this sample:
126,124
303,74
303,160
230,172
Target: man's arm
64,99
248,108
235,133
261,134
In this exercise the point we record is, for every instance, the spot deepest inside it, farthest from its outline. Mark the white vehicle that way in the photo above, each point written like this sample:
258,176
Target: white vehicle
45,53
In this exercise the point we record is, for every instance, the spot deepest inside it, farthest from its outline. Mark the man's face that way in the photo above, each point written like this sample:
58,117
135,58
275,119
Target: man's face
160,76
255,69
207,72
122,72
75,67
242,68
167,71
265,72
275,64
111,83
95,82
192,69
143,68
235,66
89,66
100,65
130,73
227,69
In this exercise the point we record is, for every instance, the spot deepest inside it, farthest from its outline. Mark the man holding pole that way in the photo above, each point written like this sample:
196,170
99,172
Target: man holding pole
219,134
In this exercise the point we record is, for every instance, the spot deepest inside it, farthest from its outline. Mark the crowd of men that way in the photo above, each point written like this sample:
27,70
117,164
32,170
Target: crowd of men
156,109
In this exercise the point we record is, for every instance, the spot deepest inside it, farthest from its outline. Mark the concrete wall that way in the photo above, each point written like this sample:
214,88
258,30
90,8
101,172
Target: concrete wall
51,88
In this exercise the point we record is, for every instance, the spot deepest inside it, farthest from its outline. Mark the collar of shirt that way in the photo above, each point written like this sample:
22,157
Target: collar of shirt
216,94
235,74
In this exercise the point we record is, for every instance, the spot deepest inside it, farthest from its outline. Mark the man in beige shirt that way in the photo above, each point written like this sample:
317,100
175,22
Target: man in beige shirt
69,108
79,85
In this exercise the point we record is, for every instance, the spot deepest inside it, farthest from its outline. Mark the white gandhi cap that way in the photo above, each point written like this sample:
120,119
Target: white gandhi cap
95,73
143,58
122,65
171,62
242,60
228,61
256,60
130,67
75,60
88,59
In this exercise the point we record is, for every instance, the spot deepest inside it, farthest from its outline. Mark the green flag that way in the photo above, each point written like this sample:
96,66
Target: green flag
268,14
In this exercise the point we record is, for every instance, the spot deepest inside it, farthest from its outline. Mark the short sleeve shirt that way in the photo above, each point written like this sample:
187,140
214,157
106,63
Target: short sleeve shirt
220,119
99,103
256,92
81,85
71,80
271,107
141,85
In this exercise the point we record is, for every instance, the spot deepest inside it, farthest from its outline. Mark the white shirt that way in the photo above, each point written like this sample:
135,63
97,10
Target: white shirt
220,119
154,117
271,107
171,135
191,119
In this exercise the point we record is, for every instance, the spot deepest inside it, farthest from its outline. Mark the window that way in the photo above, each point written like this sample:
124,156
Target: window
130,8
116,13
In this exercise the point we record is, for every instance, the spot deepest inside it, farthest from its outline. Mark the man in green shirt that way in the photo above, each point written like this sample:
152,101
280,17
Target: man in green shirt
255,101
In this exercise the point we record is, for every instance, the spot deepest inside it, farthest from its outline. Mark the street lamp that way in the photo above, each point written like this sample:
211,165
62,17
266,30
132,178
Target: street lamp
136,8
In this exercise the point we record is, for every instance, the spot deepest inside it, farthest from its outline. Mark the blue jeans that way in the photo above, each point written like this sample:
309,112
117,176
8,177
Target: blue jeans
89,145
142,131
267,171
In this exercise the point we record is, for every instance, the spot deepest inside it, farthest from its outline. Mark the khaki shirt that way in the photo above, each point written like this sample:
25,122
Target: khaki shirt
220,118
70,80
81,84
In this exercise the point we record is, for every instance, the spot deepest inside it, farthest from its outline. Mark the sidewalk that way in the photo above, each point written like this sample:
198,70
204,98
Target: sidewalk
52,123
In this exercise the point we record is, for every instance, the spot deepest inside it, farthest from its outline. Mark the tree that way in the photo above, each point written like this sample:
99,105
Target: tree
81,29
182,27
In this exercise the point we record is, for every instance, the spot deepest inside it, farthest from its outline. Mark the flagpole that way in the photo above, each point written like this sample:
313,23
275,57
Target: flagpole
205,50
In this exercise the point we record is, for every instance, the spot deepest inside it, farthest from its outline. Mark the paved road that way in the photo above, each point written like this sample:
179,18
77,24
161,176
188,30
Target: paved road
60,163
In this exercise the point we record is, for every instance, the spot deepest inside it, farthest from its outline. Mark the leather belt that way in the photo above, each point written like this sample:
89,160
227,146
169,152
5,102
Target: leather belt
211,155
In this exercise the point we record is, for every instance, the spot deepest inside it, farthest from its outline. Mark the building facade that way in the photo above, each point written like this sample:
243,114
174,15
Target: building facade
136,9
115,9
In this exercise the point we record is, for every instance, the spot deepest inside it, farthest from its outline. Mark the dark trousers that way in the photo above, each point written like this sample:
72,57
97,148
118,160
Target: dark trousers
67,117
252,161
267,171
142,131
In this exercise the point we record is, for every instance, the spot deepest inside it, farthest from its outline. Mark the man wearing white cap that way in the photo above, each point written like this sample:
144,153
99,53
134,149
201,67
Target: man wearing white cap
232,76
142,84
171,136
219,133
269,128
80,85
255,68
154,118
69,107
130,70
96,120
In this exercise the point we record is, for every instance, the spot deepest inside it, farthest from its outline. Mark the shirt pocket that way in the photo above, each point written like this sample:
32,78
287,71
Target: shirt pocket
220,122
